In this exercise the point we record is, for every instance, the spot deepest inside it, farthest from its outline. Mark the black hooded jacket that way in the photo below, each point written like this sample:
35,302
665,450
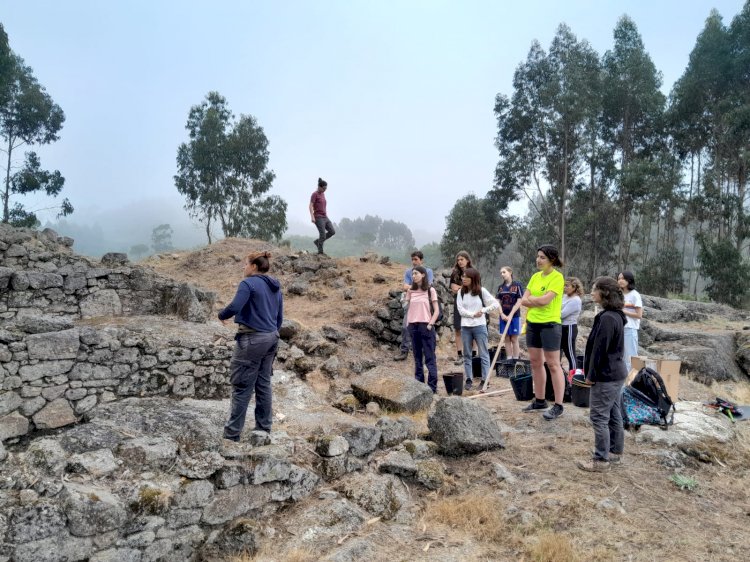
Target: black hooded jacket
603,361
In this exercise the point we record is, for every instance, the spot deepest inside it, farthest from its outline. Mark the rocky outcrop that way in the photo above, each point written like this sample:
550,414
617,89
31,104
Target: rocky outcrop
461,427
392,390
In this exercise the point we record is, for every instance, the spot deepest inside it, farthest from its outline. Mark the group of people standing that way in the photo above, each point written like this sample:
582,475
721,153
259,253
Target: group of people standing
553,305
551,328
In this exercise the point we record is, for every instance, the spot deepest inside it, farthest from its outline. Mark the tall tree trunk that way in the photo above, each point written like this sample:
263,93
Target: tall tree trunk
6,194
562,202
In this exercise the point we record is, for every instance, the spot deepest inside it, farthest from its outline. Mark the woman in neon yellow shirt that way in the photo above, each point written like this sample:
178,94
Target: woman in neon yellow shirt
543,298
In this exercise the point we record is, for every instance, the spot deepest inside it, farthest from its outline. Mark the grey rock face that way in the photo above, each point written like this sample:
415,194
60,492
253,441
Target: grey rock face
381,495
362,439
55,345
243,536
96,463
102,303
57,413
420,449
328,519
157,451
35,522
13,425
392,389
91,510
461,427
430,474
195,494
394,431
234,502
30,373
114,259
38,324
331,446
117,555
200,465
9,401
54,549
399,463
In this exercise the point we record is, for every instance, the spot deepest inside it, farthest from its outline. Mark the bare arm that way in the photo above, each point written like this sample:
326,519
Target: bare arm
312,212
536,302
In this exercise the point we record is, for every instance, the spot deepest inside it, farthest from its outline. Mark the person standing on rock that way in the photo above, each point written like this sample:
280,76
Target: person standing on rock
406,342
423,311
463,261
606,372
633,310
319,216
571,310
543,297
474,301
258,309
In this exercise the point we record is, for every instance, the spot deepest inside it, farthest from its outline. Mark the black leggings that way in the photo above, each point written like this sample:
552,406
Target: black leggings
568,345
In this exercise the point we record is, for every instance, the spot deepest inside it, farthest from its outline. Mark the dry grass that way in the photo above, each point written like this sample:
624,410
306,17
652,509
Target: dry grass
552,547
272,554
478,515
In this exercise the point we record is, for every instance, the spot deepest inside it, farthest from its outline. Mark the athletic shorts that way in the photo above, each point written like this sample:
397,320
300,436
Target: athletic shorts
546,336
515,326
456,315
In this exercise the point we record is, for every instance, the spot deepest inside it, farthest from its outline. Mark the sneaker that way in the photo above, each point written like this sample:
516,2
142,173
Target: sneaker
401,356
467,384
554,412
459,360
317,245
614,458
534,406
593,465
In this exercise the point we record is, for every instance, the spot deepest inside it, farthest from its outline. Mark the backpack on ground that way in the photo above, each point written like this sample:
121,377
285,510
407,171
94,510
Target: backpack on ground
649,387
637,410
432,309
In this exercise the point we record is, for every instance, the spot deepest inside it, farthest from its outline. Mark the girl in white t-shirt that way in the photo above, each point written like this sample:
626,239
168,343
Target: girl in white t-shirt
422,314
633,310
473,302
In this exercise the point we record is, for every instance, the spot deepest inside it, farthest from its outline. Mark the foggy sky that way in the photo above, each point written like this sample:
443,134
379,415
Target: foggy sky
390,102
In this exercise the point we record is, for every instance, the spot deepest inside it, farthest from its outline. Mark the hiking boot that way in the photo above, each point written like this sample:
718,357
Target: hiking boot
401,356
614,458
459,360
468,384
593,465
535,406
554,412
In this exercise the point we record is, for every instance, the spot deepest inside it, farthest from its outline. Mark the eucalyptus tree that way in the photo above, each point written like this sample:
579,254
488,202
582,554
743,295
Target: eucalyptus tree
222,172
28,116
478,225
547,130
633,112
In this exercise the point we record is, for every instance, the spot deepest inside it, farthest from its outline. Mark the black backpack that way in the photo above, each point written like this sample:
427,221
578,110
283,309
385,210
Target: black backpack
440,306
649,385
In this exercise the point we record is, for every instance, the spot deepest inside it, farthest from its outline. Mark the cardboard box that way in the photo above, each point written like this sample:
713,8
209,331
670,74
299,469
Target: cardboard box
669,369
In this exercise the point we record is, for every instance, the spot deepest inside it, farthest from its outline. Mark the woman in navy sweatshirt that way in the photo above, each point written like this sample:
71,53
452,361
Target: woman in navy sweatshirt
258,309
605,371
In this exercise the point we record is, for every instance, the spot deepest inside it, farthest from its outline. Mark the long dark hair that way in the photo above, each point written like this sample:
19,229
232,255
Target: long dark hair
610,293
424,285
552,254
630,278
462,254
476,282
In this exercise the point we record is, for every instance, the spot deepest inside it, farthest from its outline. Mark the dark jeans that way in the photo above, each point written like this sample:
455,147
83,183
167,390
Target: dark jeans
251,370
606,416
423,342
568,345
325,231
405,333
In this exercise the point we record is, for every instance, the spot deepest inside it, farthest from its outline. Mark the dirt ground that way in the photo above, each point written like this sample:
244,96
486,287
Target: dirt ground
552,511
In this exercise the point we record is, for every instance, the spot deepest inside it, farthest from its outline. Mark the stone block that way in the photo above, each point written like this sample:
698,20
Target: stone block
54,345
57,413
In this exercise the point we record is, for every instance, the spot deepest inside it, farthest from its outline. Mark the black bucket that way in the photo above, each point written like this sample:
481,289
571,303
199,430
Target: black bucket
549,390
580,395
454,383
522,383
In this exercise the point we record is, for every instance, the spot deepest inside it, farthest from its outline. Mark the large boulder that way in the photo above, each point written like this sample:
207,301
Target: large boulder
461,427
692,427
392,390
91,510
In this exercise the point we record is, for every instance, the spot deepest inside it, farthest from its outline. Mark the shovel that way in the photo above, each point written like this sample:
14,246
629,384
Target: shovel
499,346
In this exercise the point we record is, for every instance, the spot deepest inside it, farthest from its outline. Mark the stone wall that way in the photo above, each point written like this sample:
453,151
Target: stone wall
39,274
52,378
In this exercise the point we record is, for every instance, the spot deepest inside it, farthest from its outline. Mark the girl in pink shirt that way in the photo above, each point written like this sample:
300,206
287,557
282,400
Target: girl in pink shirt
421,318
